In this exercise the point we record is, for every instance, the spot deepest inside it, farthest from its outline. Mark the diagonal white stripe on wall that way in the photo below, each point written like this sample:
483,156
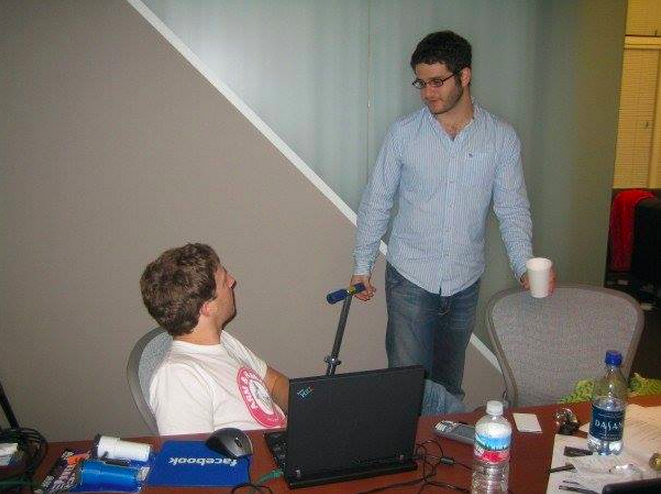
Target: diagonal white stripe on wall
268,132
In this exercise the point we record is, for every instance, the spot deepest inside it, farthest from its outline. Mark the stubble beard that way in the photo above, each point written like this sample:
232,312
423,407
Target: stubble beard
231,314
450,103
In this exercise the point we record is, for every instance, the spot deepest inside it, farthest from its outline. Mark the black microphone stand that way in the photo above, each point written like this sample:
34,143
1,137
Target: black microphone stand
6,407
332,359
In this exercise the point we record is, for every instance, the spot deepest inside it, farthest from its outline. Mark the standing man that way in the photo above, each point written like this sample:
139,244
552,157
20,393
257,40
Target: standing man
444,164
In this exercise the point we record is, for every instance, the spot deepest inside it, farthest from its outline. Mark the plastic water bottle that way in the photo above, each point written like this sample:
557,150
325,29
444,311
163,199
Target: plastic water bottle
491,454
609,402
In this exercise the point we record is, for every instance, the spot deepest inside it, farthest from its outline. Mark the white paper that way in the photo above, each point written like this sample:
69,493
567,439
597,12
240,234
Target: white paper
596,471
642,437
527,422
559,459
642,430
593,471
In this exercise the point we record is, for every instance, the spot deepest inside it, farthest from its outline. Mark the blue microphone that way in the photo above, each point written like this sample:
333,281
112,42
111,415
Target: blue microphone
97,475
338,295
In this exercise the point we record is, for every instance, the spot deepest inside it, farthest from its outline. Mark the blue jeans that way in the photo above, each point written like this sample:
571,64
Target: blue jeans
437,401
429,329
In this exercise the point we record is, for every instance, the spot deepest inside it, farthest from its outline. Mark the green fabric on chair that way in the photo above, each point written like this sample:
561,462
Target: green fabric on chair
638,386
642,386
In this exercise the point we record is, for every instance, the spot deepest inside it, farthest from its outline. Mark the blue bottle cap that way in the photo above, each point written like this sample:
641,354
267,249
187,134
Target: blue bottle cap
613,357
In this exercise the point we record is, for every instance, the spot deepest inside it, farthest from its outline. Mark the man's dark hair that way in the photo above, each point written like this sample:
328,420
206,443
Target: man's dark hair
443,47
175,286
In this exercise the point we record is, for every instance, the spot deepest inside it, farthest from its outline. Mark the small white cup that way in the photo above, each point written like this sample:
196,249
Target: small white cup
539,276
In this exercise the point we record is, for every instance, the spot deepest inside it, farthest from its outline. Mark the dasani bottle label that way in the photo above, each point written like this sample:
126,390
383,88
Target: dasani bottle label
606,425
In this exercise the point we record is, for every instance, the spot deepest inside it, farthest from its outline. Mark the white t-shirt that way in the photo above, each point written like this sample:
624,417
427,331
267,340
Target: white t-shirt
202,388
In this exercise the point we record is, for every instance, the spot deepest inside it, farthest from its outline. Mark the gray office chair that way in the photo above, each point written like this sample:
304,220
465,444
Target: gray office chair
544,346
147,353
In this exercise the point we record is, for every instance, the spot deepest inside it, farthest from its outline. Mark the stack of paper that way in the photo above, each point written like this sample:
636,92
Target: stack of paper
642,437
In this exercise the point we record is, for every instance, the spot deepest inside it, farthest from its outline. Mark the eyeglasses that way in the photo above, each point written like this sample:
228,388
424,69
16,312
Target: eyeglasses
434,82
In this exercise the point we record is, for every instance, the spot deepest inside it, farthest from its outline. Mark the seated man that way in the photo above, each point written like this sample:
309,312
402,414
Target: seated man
209,380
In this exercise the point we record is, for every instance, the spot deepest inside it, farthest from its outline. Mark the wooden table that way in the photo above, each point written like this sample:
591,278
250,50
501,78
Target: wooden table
529,464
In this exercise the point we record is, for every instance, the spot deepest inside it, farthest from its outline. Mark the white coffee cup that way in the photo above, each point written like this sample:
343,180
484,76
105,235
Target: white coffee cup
539,276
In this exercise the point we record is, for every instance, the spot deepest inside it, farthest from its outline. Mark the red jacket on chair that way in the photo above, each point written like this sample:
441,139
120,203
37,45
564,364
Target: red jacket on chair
620,236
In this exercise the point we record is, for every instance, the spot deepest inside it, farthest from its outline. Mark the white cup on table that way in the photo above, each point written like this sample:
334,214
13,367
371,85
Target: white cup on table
539,276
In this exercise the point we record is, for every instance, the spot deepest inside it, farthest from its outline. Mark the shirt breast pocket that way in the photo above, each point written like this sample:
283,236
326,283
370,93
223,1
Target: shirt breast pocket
478,171
421,179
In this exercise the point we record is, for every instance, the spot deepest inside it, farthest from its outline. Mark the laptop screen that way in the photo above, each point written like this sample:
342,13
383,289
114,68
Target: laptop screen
352,421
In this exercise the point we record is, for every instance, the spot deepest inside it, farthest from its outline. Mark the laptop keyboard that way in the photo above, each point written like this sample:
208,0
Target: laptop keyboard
277,444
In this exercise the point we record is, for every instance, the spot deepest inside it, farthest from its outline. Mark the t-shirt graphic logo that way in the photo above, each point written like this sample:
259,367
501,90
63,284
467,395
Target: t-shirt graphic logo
257,399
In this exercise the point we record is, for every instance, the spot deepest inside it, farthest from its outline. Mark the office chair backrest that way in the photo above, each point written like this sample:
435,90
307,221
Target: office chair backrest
544,346
147,353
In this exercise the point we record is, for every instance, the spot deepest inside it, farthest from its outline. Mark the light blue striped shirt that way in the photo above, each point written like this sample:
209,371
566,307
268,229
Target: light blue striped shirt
443,189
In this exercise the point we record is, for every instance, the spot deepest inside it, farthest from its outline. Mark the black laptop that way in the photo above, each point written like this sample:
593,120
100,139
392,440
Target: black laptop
349,426
648,486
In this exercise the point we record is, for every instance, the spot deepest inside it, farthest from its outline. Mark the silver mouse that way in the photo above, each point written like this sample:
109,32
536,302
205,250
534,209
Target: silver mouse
230,442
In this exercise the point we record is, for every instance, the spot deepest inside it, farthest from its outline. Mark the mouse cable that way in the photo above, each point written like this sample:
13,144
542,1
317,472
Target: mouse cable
258,486
262,489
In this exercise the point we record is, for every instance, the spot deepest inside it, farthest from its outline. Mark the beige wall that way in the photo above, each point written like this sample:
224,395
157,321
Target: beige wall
114,148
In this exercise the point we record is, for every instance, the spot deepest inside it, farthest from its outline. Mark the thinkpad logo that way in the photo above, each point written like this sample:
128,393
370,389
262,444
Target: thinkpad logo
202,461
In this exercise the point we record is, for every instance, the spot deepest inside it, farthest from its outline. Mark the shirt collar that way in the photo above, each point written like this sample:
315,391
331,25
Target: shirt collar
478,114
